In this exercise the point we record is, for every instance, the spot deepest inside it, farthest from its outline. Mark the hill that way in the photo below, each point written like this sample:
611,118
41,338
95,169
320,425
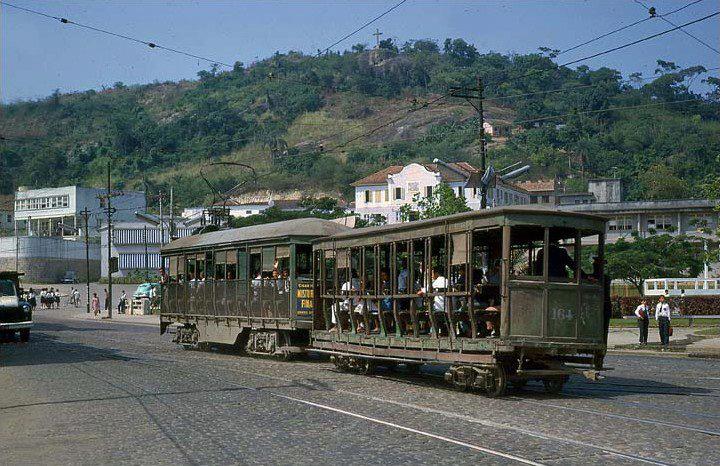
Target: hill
318,123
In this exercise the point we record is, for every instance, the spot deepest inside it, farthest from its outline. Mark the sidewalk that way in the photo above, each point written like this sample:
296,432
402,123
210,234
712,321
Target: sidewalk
153,320
683,342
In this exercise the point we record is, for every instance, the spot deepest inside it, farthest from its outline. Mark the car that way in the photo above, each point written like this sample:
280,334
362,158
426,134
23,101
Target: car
146,290
70,277
15,313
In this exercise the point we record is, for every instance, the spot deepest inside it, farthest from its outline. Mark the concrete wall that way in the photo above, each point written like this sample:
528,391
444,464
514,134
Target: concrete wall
46,259
606,190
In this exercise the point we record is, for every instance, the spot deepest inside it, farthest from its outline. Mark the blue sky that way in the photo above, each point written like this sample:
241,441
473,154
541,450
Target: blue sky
40,55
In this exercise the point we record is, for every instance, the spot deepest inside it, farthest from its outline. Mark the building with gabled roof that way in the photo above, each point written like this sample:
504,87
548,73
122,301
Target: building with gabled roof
381,194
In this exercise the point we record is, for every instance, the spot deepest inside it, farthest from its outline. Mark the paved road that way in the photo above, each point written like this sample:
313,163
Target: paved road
94,392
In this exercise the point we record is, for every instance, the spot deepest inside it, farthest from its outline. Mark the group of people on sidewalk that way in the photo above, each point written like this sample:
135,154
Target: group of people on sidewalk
95,303
662,316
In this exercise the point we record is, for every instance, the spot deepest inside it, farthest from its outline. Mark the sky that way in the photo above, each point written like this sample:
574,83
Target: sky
40,54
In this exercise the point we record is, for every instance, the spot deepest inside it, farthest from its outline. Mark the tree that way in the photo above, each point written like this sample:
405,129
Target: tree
660,182
441,202
653,256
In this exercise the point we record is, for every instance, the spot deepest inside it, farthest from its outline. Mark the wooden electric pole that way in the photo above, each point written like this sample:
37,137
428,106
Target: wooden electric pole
470,94
86,220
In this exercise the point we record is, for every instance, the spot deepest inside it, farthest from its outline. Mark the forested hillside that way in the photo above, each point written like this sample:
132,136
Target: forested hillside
318,123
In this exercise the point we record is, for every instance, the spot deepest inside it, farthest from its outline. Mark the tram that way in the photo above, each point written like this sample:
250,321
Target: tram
499,296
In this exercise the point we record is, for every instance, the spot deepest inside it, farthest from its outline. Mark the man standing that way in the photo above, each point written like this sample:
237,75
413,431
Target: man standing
642,312
662,315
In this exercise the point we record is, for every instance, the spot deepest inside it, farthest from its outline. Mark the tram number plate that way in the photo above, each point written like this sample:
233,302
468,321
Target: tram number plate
305,295
562,314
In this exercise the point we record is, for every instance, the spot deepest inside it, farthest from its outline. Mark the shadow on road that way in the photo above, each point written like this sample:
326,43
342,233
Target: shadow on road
47,349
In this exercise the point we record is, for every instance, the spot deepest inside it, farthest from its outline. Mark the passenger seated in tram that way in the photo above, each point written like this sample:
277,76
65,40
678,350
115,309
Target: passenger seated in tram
438,285
350,288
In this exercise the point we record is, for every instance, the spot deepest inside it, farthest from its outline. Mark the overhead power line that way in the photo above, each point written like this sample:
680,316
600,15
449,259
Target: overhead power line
663,17
347,36
152,45
635,42
628,26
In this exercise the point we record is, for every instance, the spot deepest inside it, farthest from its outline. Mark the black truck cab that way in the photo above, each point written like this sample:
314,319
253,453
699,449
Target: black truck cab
15,313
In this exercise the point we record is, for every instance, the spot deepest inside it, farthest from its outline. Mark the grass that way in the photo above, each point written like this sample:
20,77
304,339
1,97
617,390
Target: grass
676,322
707,332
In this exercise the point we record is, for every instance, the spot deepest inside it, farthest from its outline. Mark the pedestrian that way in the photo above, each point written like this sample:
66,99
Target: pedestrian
95,305
642,312
122,303
76,297
32,299
107,300
662,315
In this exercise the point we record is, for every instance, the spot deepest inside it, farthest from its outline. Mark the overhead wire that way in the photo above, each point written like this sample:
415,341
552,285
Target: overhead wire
622,28
663,17
150,44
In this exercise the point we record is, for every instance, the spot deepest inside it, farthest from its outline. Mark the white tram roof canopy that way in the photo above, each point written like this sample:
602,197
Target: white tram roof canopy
301,227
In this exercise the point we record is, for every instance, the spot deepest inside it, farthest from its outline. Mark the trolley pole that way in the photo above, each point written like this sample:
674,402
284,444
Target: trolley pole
470,94
86,217
162,221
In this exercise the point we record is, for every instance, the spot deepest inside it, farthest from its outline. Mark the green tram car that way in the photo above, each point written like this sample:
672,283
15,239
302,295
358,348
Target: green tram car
499,296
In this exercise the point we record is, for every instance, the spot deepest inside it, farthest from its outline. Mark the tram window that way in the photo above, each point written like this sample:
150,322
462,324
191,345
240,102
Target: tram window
438,255
220,261
182,270
329,272
231,265
303,260
209,265
591,267
200,267
282,261
562,254
268,262
486,263
385,260
526,248
368,282
173,268
255,264
417,265
402,268
190,267
458,262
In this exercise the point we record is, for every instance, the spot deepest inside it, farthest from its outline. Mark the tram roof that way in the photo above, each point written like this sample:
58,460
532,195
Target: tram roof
489,217
301,227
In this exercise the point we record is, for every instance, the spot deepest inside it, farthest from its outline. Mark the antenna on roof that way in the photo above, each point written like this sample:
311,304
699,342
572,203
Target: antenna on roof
515,173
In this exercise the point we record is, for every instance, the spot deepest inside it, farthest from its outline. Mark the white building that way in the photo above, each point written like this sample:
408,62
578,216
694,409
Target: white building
58,211
129,244
384,192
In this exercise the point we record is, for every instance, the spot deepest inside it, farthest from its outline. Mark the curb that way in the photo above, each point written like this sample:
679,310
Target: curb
113,321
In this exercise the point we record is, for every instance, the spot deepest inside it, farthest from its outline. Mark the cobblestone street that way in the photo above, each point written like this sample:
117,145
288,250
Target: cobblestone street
98,392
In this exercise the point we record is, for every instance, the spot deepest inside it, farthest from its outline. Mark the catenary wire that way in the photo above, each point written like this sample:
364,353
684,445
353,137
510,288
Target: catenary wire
622,28
663,17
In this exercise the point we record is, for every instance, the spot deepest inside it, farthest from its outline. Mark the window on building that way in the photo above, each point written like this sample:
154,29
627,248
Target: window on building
546,199
398,194
460,191
377,197
367,196
621,224
475,192
428,191
248,212
660,222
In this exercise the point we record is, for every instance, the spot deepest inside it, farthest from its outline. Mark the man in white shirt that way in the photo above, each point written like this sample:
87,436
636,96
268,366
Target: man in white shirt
642,312
439,284
662,315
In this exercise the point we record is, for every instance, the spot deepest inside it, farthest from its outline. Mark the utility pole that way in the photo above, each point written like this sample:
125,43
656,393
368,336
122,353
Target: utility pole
172,216
109,239
470,93
86,217
17,248
162,222
146,252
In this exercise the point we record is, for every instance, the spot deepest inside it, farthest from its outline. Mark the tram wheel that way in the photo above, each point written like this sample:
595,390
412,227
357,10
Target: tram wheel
496,384
365,367
554,385
341,363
